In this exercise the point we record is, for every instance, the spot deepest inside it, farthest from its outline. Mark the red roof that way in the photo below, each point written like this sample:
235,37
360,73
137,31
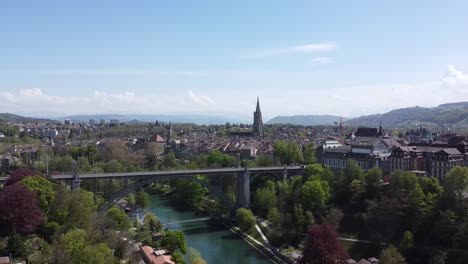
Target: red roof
151,258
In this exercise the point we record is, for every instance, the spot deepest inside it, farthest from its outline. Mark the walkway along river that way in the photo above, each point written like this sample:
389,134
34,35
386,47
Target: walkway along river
215,243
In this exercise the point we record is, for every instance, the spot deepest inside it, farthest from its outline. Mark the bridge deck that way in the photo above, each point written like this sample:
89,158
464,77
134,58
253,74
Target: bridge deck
207,172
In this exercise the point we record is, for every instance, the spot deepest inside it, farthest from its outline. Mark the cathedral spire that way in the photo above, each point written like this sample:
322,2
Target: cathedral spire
258,122
258,104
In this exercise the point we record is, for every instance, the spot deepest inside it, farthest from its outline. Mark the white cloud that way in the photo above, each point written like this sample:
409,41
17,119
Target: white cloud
455,80
35,101
323,60
306,48
340,100
199,99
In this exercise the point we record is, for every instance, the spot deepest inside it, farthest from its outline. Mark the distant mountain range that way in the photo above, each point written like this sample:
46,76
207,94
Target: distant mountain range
305,120
18,118
453,114
176,118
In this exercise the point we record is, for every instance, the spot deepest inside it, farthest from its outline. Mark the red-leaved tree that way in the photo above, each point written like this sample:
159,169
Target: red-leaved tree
19,174
322,246
19,209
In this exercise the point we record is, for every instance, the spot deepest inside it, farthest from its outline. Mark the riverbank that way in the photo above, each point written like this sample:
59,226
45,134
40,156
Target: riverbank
213,239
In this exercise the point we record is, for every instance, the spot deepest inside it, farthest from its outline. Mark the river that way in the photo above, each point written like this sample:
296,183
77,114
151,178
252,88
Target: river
215,243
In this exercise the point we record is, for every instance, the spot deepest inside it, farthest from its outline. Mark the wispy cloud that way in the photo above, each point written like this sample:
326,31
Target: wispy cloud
322,60
199,99
306,48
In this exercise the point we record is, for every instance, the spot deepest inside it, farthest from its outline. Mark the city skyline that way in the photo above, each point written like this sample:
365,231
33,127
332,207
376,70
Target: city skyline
346,59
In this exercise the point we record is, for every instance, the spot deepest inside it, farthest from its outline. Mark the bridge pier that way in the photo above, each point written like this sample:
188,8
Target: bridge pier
243,189
75,185
285,174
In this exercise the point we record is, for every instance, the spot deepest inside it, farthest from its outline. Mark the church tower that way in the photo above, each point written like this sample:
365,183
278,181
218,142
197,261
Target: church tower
258,122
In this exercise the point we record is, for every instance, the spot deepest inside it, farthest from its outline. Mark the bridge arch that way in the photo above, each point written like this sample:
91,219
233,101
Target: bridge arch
213,190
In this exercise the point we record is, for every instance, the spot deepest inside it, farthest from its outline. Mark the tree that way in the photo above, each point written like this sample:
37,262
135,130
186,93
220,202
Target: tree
245,219
287,153
406,241
274,219
300,221
322,246
264,161
119,217
43,188
74,243
113,166
456,183
142,199
189,193
352,172
373,176
20,209
314,194
195,257
16,245
174,240
19,175
264,200
309,154
391,255
178,257
334,217
99,254
170,160
152,222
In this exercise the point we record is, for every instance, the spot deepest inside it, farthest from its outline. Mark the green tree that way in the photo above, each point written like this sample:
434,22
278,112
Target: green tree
131,198
119,217
264,200
74,242
16,245
245,219
456,183
113,166
173,241
43,188
300,221
264,161
142,199
152,222
99,254
287,153
170,160
309,154
274,219
178,257
391,255
407,241
195,257
314,194
189,193
373,176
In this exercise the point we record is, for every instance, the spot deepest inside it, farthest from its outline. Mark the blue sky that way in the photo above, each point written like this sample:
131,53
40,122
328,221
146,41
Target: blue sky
214,57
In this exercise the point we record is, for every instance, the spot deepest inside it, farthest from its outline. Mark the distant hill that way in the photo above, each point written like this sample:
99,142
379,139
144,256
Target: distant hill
18,118
176,118
305,120
453,114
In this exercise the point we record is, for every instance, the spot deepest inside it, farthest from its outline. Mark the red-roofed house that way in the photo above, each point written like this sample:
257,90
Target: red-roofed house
151,257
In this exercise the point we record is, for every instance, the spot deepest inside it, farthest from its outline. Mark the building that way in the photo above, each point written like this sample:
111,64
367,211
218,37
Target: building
435,159
258,122
369,147
153,257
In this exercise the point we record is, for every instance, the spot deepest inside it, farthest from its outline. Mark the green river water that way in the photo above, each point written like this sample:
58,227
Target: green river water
215,243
